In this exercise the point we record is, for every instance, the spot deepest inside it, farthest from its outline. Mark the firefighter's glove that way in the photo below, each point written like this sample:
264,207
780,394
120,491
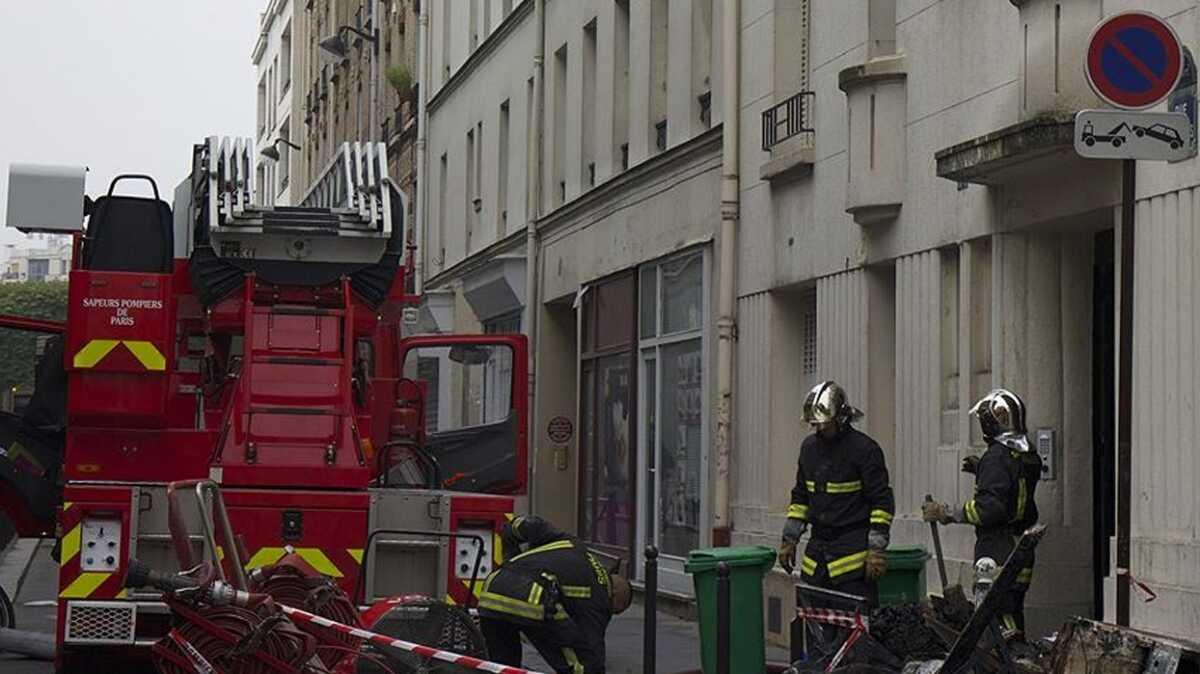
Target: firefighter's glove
876,564
787,555
794,529
878,539
943,513
970,464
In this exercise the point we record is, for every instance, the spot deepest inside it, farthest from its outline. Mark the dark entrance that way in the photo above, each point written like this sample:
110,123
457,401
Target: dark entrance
1104,463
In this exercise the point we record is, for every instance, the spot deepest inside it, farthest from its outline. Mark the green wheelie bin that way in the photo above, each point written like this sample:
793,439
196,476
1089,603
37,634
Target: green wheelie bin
747,640
904,582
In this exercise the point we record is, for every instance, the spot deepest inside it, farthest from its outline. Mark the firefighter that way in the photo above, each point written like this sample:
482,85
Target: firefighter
555,592
1006,477
842,491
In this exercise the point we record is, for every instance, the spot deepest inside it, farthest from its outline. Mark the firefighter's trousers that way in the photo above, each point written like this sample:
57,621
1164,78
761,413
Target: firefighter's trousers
504,646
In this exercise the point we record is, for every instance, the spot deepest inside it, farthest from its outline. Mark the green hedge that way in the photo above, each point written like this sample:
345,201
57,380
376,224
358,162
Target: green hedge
18,348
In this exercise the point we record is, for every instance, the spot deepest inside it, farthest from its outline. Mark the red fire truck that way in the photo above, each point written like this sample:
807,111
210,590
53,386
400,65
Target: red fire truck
261,348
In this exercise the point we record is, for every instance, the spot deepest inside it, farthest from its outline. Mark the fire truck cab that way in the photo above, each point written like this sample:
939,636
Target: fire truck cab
261,348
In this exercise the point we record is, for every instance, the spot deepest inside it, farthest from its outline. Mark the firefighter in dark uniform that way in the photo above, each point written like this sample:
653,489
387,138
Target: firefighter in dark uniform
1006,477
842,492
557,593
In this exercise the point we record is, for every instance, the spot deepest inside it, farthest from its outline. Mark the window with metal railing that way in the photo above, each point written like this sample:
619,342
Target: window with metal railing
788,118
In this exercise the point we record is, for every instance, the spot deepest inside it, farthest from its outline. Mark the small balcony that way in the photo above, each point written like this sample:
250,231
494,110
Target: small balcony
787,133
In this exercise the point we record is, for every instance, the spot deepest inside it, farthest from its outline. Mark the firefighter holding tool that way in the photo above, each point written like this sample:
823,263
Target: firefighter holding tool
1006,477
556,592
842,492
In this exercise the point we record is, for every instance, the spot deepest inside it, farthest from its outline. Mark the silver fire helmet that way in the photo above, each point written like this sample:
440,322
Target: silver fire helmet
1001,415
826,402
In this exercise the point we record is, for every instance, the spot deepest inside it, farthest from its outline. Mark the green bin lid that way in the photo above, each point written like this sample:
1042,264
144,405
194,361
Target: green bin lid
907,551
707,559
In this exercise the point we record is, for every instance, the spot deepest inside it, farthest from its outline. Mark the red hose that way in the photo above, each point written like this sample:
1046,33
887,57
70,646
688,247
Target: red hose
238,641
288,585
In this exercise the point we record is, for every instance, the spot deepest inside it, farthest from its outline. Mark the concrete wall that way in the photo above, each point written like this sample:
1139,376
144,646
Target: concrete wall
1166,512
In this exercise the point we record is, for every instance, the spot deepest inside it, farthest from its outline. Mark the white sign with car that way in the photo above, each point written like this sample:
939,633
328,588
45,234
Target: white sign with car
1121,134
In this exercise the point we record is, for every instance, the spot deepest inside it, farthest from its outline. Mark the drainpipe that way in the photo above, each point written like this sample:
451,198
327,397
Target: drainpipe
423,83
726,318
531,240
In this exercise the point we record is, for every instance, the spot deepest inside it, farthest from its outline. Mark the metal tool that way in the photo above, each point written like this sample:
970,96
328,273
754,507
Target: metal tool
937,548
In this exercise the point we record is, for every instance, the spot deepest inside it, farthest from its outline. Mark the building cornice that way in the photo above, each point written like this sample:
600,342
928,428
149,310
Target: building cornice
490,44
510,244
680,155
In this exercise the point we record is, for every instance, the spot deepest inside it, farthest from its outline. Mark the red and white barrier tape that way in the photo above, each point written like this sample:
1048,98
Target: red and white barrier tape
847,619
423,651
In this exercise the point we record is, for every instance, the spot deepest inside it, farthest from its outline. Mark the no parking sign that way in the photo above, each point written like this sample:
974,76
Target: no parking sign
1134,60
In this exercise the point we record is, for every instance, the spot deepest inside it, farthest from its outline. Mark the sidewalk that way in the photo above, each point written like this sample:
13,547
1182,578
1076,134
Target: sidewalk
678,645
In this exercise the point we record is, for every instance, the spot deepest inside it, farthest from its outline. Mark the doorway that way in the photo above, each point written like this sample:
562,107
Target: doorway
1104,463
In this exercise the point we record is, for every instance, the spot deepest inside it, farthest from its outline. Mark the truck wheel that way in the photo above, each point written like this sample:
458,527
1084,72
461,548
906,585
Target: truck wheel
1117,142
1089,141
8,615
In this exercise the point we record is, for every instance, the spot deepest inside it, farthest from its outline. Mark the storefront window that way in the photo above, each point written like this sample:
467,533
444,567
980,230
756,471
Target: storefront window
607,492
682,410
673,444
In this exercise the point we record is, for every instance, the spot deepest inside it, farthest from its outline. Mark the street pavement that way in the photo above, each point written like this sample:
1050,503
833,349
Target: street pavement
678,640
39,587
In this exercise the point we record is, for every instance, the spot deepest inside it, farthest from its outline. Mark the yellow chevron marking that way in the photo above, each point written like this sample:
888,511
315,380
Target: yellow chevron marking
83,586
265,557
70,546
67,505
123,594
319,562
147,354
356,553
93,352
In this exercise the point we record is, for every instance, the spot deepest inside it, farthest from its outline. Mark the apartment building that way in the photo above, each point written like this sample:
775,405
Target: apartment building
275,61
44,257
623,221
358,83
912,221
916,225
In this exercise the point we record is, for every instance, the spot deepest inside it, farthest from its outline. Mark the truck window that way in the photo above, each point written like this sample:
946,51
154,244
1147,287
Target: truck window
466,385
471,426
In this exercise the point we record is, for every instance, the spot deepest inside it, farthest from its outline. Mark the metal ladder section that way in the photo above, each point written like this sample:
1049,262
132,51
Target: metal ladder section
352,196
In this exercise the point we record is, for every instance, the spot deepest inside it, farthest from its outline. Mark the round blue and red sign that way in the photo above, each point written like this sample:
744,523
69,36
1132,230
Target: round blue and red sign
1134,60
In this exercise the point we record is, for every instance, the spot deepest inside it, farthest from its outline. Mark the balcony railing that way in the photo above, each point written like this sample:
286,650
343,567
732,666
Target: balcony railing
788,118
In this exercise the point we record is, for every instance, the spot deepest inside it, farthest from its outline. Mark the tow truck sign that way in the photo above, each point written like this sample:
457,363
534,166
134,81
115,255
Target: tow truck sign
1121,134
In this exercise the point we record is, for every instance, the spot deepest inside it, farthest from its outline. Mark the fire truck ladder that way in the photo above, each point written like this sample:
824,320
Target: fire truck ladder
349,224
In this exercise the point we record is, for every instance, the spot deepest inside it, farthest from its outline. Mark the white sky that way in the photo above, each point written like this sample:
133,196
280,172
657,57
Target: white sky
122,86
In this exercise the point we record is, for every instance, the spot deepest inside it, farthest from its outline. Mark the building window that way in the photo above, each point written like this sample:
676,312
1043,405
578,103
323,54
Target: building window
560,124
285,153
659,31
502,172
285,50
471,211
672,407
587,120
39,269
702,60
262,106
607,461
620,90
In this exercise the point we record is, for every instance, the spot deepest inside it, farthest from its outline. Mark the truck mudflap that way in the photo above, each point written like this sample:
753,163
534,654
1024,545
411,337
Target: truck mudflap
30,465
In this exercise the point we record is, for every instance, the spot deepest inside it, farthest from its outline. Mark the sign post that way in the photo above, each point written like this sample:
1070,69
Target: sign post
1134,60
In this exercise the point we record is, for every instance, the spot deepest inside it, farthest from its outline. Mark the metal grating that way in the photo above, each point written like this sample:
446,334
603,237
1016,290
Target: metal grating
808,309
100,622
